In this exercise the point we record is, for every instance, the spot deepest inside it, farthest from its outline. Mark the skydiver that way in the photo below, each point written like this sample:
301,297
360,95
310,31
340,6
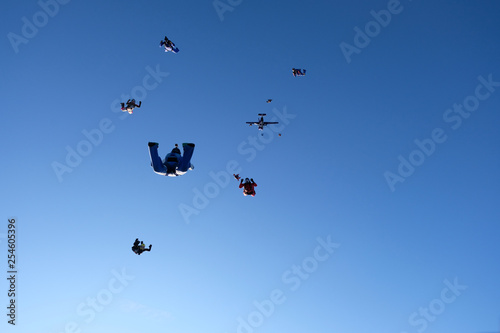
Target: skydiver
299,72
236,176
139,248
248,187
174,163
130,106
269,101
168,45
166,42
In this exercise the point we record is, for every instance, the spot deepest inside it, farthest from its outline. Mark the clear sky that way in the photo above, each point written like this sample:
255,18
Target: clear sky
376,209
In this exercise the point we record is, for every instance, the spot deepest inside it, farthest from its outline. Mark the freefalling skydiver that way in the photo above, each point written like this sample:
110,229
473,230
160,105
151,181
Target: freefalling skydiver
298,72
130,106
174,163
248,187
139,248
169,45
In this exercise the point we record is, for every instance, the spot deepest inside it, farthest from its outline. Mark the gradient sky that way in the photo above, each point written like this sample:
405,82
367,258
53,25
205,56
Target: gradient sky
241,264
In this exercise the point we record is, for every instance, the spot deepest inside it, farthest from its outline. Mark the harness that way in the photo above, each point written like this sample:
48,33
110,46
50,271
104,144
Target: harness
248,188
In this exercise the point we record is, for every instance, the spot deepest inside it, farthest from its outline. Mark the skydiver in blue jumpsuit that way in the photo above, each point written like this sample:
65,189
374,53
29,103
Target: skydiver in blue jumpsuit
174,163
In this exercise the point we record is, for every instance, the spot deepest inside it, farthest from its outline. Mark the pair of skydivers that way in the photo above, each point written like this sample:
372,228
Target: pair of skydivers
176,164
130,104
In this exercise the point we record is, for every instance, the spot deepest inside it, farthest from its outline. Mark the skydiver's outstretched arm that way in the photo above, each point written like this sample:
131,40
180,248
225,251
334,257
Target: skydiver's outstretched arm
156,161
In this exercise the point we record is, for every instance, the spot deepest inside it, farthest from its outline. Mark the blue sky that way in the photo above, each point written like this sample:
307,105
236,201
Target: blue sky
376,208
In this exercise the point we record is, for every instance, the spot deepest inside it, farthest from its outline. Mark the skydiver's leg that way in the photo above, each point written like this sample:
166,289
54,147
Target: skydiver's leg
156,161
185,163
140,102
